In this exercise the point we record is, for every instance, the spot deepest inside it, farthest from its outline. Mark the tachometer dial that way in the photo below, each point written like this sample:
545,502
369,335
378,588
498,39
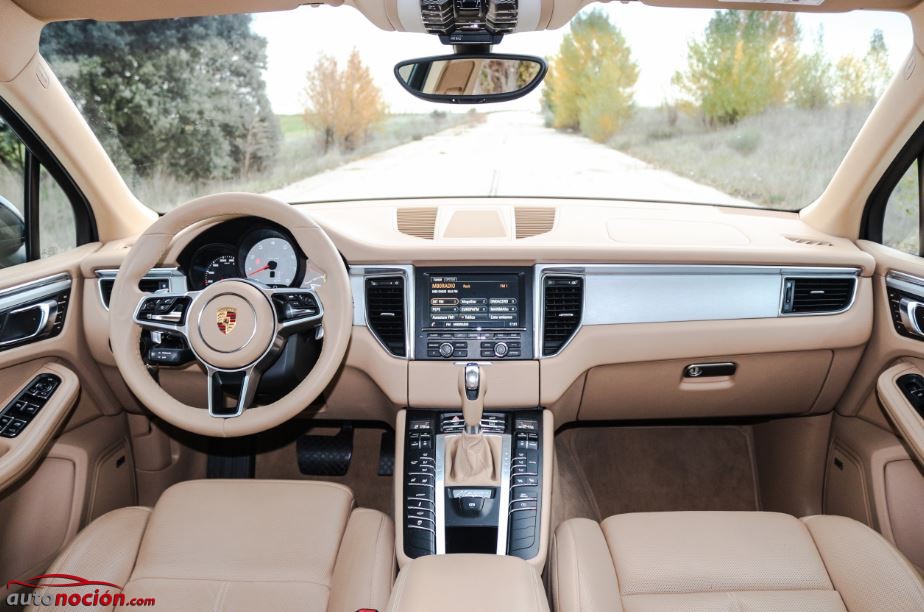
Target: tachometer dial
272,261
220,268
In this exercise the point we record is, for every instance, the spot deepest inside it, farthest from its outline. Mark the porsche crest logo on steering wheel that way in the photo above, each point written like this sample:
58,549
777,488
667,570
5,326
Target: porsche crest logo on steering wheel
226,319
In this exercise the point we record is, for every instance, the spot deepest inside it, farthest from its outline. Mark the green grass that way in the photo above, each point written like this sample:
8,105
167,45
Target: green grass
293,126
300,156
782,159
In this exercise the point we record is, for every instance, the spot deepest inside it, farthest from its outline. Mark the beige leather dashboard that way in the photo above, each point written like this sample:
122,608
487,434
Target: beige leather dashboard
727,264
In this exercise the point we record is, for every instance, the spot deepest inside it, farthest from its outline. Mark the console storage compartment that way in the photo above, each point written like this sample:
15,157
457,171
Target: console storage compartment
422,585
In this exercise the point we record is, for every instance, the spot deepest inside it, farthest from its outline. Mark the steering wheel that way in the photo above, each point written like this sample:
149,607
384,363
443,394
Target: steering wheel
234,327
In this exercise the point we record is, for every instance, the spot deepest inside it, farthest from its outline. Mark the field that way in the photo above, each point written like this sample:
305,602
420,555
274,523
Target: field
300,156
781,159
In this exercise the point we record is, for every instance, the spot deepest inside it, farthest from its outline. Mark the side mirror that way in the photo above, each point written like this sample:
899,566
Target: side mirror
471,78
12,235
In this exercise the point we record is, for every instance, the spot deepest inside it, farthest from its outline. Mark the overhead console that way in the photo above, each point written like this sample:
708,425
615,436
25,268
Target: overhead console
474,313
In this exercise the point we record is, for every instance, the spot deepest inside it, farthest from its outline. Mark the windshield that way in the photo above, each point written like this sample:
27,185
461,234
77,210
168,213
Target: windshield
639,103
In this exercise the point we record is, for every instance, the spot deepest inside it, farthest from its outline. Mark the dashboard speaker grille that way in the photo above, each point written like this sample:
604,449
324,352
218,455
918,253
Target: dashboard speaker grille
808,241
817,295
385,310
419,222
562,305
533,220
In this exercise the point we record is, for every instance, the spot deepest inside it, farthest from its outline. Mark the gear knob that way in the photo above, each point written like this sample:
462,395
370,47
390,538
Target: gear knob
472,387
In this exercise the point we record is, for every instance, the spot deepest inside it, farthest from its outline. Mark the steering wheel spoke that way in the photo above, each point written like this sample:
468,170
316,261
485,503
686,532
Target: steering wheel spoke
241,384
164,312
296,309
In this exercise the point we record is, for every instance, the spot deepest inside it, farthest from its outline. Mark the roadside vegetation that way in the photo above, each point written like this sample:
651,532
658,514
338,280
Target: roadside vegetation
181,107
755,112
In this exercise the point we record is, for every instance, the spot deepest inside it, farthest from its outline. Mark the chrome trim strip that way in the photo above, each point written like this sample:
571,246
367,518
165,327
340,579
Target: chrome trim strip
358,276
19,295
176,278
905,282
503,510
661,293
439,496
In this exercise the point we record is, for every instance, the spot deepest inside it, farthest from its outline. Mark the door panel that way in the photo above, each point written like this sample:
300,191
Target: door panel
876,463
72,461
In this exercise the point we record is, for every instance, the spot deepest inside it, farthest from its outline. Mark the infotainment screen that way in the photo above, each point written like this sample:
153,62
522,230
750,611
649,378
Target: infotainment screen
474,301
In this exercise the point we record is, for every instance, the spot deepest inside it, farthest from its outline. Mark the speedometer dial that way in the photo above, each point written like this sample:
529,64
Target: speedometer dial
272,261
220,268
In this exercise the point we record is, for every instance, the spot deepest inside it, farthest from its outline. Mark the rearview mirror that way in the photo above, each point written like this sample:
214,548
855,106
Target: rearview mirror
471,79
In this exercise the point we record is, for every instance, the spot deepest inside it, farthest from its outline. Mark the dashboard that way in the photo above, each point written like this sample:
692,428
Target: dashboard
243,248
611,307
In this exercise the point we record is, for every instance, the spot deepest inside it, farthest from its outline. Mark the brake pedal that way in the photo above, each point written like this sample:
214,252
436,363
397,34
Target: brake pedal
387,453
325,455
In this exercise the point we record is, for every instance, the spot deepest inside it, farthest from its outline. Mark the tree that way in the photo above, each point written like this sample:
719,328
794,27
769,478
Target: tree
742,65
180,96
813,79
877,63
589,86
861,81
343,105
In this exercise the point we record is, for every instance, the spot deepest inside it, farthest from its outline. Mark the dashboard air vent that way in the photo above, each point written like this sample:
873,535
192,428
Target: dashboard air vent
385,312
533,220
149,285
808,295
420,222
563,300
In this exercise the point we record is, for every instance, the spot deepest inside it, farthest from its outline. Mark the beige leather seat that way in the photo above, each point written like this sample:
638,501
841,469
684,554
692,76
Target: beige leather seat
242,545
755,561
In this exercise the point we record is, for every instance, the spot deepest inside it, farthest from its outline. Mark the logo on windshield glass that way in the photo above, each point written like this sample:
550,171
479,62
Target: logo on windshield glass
226,319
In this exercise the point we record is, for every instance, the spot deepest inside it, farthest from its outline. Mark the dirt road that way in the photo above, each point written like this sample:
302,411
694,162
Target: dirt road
510,154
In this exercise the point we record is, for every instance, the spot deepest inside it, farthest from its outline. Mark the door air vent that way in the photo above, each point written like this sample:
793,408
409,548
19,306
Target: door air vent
533,220
810,295
419,222
148,285
562,304
385,312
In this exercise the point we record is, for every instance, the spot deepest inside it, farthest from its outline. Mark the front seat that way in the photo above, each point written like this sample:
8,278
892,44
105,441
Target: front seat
241,545
755,561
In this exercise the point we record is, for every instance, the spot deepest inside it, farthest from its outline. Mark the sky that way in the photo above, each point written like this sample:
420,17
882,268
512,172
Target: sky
658,38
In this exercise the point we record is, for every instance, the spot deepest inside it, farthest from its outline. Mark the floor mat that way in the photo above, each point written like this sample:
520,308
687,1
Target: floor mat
280,460
613,470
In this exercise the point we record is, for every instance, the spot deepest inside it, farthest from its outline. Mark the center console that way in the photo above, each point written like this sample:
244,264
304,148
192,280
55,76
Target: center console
473,313
501,514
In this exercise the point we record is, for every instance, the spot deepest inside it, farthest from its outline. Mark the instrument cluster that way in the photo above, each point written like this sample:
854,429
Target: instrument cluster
265,254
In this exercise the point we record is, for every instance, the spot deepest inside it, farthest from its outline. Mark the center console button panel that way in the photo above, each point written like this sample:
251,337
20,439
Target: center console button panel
469,511
419,486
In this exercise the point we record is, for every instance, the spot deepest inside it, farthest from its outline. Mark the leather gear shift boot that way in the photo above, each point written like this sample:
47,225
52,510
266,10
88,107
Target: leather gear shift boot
472,460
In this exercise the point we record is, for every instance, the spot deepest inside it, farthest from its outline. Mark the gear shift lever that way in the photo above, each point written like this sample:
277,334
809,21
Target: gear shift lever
470,456
472,385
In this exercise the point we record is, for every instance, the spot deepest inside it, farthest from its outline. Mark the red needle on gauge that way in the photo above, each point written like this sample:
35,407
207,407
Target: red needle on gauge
270,265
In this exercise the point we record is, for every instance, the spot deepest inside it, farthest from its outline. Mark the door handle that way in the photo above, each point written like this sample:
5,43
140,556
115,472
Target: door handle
45,312
908,311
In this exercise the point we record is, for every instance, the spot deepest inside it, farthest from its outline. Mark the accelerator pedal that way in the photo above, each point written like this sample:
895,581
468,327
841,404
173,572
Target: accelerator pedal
325,455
